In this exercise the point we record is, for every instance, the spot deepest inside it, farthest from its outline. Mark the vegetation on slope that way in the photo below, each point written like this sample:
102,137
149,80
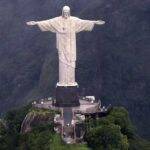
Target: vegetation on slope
112,132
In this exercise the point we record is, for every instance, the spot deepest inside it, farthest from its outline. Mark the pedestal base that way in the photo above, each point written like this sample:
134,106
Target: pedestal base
67,96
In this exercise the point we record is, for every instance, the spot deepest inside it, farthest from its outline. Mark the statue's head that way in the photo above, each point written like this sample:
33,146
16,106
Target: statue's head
66,12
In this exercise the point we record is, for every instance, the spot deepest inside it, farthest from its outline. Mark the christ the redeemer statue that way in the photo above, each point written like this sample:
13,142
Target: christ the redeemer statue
66,27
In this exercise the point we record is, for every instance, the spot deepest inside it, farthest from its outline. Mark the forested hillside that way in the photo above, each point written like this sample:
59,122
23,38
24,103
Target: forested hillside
113,60
113,131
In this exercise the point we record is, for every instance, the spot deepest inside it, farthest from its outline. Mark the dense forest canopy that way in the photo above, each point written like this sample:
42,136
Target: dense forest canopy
113,60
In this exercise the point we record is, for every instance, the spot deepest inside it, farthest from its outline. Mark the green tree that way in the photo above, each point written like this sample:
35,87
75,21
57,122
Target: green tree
5,139
38,139
120,116
107,137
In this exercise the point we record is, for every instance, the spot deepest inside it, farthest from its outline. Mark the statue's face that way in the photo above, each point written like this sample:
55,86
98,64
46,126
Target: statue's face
66,12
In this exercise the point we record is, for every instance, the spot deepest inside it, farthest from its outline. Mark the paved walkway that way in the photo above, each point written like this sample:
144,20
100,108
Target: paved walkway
67,115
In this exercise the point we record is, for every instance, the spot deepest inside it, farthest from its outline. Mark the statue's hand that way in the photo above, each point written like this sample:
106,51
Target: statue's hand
31,23
99,22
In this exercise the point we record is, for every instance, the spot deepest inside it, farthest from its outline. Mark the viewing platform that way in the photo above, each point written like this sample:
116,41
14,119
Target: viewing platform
70,122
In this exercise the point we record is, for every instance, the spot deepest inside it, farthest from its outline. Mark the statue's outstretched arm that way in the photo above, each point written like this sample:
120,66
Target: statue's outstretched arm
45,25
86,25
99,22
32,23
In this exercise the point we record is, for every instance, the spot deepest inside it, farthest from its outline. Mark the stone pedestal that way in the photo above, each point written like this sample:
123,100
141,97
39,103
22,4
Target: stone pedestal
67,96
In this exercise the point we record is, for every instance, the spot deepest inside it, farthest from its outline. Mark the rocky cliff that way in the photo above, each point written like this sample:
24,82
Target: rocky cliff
36,117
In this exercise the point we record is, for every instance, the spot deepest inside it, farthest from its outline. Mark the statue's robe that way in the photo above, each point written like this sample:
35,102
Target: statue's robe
66,30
